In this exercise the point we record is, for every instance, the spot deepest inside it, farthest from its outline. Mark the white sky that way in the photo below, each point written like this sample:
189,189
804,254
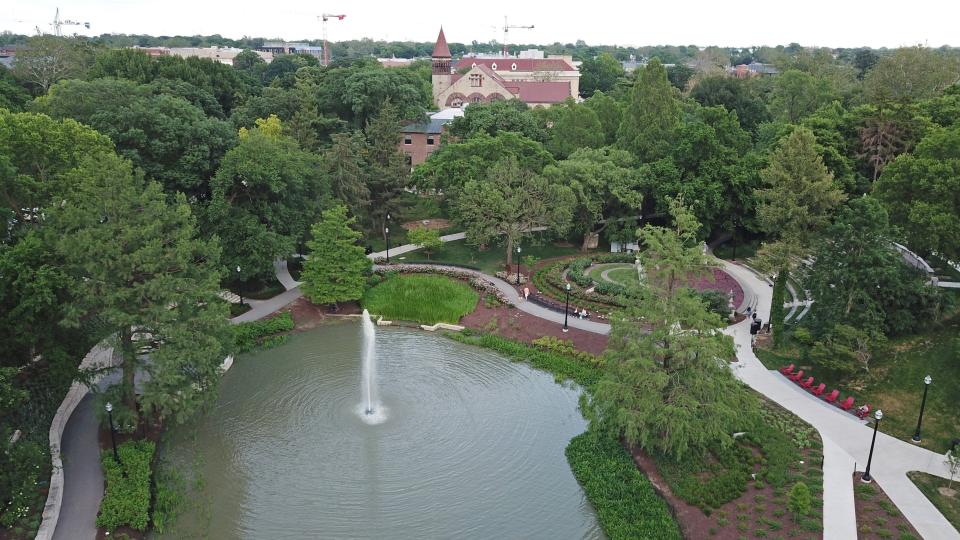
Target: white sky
834,23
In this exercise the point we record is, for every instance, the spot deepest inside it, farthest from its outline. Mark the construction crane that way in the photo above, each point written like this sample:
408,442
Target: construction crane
58,23
506,28
326,49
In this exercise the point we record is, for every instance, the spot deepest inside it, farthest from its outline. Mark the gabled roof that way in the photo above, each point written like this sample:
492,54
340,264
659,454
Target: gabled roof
429,126
523,64
441,50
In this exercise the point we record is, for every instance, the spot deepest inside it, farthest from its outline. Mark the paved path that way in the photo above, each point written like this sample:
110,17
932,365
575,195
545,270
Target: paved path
406,248
82,476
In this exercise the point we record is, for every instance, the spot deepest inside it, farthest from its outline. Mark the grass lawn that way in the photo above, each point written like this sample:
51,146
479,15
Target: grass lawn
948,506
422,298
491,260
621,275
895,383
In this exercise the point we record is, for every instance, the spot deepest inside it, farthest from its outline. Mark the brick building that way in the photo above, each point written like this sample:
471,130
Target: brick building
419,140
535,81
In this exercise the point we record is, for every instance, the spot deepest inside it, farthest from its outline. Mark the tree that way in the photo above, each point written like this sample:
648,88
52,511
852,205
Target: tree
864,60
336,269
575,126
910,74
798,501
599,74
13,97
345,164
427,239
608,112
606,185
511,202
389,172
47,59
651,117
172,140
920,189
734,95
35,153
138,266
797,94
494,117
858,279
796,205
667,365
265,196
455,164
953,465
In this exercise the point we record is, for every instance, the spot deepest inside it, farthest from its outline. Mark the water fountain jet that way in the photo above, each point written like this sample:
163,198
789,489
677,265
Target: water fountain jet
372,411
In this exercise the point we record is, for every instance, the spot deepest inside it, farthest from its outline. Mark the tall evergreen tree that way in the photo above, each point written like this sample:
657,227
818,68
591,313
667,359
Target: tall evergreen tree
139,268
651,116
796,205
335,271
389,171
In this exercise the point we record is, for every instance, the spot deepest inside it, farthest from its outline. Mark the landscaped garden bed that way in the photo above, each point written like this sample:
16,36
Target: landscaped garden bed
744,491
943,493
877,517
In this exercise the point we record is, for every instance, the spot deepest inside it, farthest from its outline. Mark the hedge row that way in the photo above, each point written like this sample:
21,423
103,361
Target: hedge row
262,334
626,504
127,498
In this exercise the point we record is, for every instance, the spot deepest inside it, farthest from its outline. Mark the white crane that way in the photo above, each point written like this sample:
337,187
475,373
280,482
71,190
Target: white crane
326,48
506,28
58,23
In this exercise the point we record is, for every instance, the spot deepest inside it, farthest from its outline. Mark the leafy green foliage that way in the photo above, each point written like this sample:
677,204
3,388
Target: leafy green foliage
428,239
574,126
494,117
563,366
651,116
910,73
599,74
736,95
797,94
799,500
337,265
510,202
264,334
626,504
421,298
126,501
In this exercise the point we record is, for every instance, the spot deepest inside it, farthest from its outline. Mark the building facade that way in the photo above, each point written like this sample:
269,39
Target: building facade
535,81
419,140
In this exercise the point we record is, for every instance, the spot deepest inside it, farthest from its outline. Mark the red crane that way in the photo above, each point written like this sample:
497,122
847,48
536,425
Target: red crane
326,49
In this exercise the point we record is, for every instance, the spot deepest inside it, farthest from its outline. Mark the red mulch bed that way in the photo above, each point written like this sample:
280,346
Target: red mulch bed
307,315
877,517
514,324
722,282
436,223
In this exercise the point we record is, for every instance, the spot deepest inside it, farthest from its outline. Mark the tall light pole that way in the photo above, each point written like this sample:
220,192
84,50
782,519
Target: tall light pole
239,285
566,309
518,265
113,440
866,478
386,233
926,385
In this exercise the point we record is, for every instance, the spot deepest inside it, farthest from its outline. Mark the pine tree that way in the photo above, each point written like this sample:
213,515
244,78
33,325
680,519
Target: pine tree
389,171
335,271
651,116
140,268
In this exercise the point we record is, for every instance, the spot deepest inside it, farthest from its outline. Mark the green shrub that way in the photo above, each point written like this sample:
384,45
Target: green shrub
262,334
626,504
423,298
562,366
799,500
126,501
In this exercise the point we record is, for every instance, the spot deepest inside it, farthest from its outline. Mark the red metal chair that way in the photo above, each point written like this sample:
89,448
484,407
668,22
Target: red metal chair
796,376
863,411
807,383
818,390
832,396
787,370
847,404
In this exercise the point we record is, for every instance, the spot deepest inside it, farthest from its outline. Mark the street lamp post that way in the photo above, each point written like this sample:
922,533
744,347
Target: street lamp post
518,265
386,231
926,385
866,478
566,309
113,439
239,285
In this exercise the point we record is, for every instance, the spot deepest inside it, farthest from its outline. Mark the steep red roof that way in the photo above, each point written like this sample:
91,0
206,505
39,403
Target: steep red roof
441,50
523,64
